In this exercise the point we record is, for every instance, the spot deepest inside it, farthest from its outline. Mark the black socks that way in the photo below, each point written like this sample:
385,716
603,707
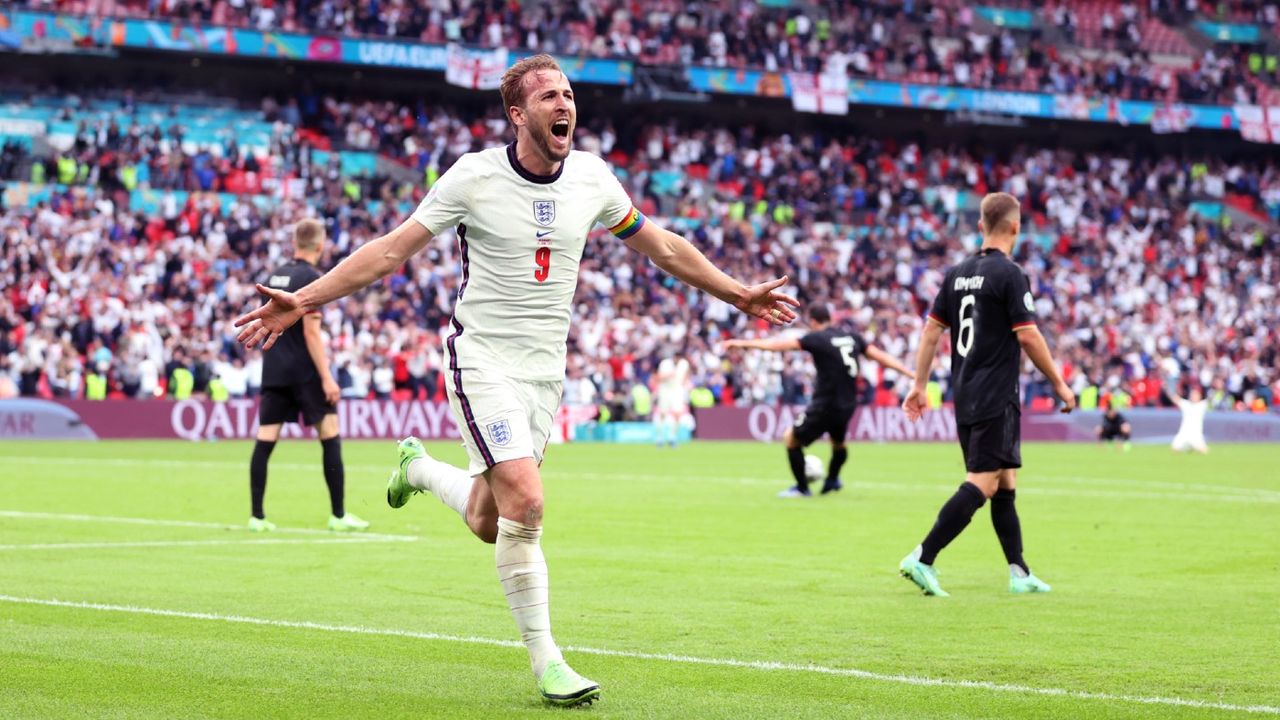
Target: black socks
1004,516
952,520
795,456
838,456
334,474
258,474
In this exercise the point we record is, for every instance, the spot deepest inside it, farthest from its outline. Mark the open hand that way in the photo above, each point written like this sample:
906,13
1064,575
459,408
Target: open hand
765,302
265,324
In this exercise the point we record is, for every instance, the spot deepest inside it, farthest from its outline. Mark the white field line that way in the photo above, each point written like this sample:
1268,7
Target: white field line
187,543
72,517
757,665
1199,492
1028,487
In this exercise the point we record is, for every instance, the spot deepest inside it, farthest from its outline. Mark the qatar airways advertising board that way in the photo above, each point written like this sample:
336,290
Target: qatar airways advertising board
33,419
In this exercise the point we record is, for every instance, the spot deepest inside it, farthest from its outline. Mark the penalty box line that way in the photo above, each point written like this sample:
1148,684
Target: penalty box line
758,665
76,517
130,544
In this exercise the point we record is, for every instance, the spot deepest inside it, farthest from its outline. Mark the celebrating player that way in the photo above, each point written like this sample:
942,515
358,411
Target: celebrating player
296,379
672,384
522,215
835,354
1191,431
986,302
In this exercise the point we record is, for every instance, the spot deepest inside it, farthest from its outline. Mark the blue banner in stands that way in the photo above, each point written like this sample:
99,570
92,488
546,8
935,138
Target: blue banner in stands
945,98
39,29
1229,32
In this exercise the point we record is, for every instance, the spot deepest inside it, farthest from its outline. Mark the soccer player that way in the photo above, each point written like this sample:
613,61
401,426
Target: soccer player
522,214
1191,432
987,304
835,354
673,399
296,380
1114,427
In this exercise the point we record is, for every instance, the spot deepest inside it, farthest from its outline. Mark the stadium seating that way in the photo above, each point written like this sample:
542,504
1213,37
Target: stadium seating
862,224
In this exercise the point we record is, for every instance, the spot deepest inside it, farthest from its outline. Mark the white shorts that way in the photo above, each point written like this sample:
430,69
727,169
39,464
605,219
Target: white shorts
501,418
672,403
1183,443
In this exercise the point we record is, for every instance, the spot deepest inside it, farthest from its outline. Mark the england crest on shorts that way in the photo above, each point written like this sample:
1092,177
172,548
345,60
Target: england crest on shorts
500,432
544,211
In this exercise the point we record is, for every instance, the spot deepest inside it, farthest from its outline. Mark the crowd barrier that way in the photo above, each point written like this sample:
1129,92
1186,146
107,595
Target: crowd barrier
388,419
767,423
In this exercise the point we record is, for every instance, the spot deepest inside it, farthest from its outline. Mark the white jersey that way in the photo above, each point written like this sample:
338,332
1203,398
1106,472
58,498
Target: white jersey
521,237
1193,413
673,382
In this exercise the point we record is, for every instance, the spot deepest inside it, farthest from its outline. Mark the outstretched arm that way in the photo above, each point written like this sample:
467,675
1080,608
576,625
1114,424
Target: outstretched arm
916,402
373,260
771,344
1037,349
889,361
681,259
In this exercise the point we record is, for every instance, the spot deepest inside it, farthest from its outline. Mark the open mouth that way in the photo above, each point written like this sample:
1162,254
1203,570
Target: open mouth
560,128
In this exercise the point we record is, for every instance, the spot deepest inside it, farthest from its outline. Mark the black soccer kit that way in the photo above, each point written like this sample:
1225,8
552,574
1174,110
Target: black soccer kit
1113,427
983,301
290,382
835,395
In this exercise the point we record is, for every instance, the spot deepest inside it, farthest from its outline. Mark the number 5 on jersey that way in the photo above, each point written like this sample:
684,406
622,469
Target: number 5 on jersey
542,256
846,354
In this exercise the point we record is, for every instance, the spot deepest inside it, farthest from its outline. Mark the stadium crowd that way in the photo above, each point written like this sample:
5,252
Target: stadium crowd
1127,278
921,41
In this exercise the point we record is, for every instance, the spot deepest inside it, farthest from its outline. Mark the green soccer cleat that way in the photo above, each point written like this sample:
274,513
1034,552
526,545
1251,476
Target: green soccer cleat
560,685
924,576
347,523
1028,584
261,525
398,488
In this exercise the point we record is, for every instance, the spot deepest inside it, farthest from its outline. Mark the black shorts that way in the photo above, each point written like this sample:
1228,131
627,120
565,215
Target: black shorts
992,444
283,404
1112,432
813,423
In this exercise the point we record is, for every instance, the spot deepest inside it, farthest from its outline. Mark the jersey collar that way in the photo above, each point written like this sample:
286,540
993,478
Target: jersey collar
990,251
523,172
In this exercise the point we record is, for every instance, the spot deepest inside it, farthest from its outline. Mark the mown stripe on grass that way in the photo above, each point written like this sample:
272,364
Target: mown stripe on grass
758,665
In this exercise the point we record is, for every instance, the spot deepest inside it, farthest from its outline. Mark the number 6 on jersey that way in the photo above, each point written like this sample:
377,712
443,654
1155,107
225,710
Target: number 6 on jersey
964,339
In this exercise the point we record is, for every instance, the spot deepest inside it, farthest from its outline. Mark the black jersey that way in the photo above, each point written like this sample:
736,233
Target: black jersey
835,354
288,362
1113,424
983,301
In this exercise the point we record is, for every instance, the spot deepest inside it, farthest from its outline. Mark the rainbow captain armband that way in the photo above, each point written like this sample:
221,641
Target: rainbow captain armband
630,224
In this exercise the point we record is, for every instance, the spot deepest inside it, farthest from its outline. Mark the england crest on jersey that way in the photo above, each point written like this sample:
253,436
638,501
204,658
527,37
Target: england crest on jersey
500,432
544,211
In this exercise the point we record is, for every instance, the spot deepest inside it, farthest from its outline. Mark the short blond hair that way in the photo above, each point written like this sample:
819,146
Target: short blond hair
1000,212
513,80
308,234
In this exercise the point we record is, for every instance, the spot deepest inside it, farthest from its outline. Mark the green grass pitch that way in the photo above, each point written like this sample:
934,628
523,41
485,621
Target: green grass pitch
679,582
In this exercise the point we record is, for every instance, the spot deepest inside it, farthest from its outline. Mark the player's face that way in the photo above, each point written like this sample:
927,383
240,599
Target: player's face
549,113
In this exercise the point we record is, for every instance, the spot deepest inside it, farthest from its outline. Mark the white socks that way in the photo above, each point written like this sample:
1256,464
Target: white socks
452,485
523,572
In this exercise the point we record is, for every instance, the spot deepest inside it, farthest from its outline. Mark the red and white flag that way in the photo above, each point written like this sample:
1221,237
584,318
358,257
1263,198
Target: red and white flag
1170,118
824,93
1259,123
475,69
